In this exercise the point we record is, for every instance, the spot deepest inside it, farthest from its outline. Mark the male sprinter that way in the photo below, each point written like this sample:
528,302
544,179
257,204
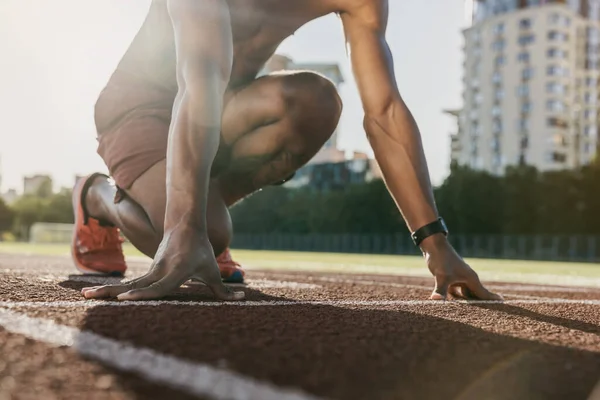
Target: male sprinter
187,129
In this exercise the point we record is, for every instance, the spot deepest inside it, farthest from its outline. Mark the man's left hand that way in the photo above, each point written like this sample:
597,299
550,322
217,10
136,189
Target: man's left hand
452,275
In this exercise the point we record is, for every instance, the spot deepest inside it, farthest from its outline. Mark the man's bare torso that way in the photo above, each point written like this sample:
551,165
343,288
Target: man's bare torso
259,27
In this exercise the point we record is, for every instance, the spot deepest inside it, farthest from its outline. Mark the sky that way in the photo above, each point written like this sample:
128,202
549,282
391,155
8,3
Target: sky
56,56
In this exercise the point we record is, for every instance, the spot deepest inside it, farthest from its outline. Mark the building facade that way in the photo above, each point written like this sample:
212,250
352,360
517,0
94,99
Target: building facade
33,184
530,94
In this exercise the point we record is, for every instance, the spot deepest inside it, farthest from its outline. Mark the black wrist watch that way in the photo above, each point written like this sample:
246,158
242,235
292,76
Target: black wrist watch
438,226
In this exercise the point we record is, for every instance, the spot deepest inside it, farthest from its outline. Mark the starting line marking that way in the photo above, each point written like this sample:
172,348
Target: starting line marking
511,287
280,303
250,283
195,378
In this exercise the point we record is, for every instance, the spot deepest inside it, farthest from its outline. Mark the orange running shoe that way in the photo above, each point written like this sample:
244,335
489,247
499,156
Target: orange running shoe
96,247
231,271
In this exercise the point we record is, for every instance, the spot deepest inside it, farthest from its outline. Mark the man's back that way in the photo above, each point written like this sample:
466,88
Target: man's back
258,27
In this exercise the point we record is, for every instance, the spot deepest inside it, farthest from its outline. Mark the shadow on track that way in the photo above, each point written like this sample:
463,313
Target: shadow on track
345,353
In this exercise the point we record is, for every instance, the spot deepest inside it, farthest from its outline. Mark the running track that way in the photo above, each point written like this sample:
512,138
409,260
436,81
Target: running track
298,336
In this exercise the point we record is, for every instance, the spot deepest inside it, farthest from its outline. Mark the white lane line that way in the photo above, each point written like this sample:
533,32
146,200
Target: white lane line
272,284
515,288
359,282
397,285
194,378
250,283
531,288
268,284
284,303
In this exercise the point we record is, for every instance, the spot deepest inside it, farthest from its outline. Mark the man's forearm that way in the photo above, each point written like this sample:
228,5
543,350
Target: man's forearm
193,143
396,141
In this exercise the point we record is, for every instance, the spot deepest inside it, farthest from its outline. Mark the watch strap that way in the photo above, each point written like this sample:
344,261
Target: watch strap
438,226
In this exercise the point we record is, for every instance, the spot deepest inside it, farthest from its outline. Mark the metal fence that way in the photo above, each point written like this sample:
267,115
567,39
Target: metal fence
522,247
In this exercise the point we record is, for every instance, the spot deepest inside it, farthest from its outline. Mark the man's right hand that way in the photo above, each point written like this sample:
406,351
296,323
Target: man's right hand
183,254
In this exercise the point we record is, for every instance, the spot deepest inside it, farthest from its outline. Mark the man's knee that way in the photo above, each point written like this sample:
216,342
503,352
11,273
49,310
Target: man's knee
312,102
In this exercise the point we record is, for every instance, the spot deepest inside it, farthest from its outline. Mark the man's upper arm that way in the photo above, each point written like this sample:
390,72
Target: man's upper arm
203,43
364,25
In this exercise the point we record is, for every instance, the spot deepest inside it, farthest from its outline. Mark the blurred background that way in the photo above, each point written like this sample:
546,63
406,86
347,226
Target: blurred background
505,93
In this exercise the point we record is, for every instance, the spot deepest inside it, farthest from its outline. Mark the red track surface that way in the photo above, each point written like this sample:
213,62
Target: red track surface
355,344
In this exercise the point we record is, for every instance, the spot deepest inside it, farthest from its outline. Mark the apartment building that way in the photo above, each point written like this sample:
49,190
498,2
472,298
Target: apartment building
530,94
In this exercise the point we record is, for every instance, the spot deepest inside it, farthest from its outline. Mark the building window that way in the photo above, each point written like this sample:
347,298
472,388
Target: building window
589,99
496,111
557,157
557,53
554,70
555,105
590,131
497,162
496,78
558,139
523,124
558,36
499,94
526,39
526,107
499,28
557,123
556,88
593,35
557,19
498,45
495,144
523,57
497,126
591,82
500,60
525,23
527,73
522,159
523,90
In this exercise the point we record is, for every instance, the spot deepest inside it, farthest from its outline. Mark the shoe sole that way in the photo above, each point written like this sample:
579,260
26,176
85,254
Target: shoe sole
75,199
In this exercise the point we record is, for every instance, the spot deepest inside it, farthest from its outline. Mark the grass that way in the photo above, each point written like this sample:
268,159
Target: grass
541,272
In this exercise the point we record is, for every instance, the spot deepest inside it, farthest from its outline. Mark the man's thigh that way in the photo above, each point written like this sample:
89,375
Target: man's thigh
272,127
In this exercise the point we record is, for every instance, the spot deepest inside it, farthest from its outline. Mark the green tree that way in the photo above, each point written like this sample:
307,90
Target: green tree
522,200
471,202
7,216
45,189
28,210
58,208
